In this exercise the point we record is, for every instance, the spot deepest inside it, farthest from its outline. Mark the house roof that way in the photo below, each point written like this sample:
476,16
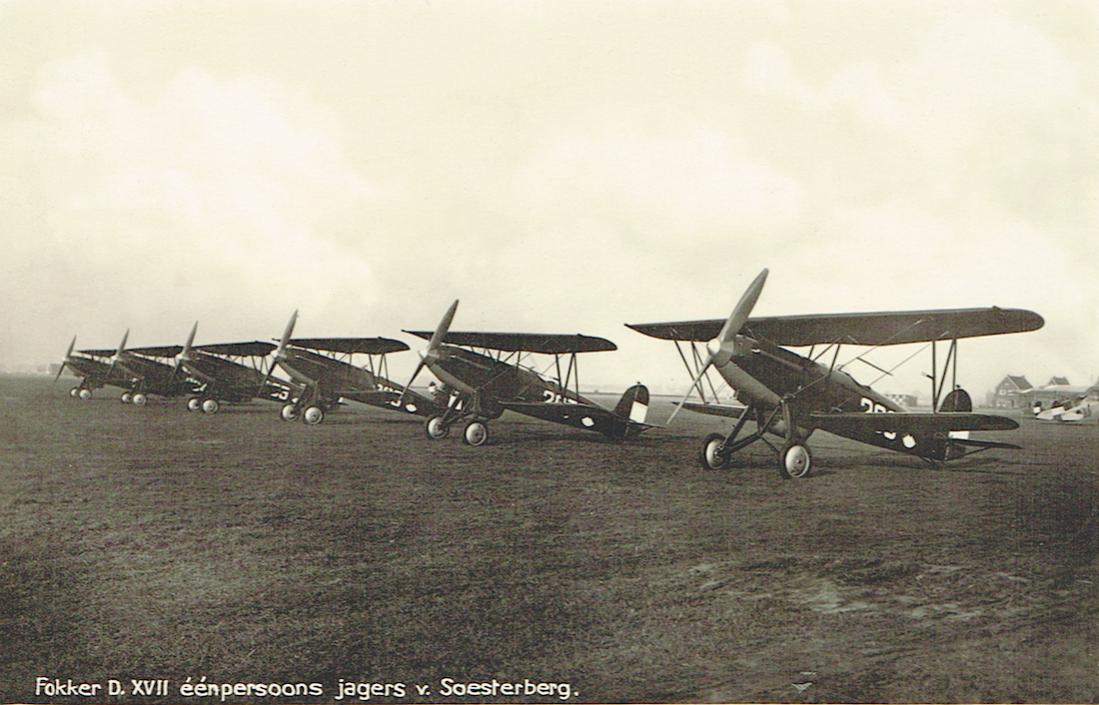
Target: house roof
1018,381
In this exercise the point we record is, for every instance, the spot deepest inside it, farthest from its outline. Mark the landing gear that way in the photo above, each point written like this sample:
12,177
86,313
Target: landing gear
84,394
126,398
795,461
289,412
475,434
313,415
194,404
436,428
712,456
210,405
139,399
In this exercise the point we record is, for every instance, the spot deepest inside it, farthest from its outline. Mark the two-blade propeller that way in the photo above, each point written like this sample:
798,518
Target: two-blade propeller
66,360
280,351
723,347
185,356
430,354
118,353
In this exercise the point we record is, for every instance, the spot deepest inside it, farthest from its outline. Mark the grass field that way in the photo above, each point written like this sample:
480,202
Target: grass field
154,543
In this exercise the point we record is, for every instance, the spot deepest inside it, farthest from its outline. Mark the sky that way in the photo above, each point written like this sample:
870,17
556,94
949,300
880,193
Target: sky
557,166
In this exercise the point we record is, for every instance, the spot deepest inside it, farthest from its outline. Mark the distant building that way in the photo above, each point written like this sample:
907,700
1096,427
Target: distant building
1010,393
908,401
1056,381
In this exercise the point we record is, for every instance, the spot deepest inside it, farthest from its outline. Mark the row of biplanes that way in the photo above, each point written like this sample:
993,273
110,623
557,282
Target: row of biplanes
781,393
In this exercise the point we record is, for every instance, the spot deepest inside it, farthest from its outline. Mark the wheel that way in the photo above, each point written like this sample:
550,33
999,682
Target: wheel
435,428
795,461
85,394
74,392
476,434
126,398
194,404
210,405
313,415
288,412
140,399
710,455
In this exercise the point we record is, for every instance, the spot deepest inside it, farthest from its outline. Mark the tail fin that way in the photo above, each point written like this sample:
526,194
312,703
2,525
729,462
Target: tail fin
957,400
634,404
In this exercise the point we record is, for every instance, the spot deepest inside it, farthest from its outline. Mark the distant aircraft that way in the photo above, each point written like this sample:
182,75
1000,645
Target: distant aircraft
322,373
485,373
138,371
1079,406
94,373
793,395
224,375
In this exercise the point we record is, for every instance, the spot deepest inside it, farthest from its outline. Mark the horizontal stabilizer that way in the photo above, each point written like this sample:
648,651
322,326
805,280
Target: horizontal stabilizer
726,410
974,443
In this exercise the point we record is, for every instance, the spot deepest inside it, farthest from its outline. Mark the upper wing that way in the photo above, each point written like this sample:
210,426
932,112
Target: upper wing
150,351
370,346
254,348
911,422
550,343
875,328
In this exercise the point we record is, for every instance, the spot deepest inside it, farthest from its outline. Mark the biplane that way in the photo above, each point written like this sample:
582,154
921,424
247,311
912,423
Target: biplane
94,373
792,395
138,371
323,372
483,375
230,372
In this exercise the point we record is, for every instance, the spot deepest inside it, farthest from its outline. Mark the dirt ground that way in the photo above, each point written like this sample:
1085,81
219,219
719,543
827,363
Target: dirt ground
157,543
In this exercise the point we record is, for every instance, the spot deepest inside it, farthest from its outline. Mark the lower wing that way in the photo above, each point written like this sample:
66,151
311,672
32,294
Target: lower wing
584,416
726,410
922,423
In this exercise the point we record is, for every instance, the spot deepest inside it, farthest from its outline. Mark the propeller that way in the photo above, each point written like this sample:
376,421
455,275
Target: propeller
121,348
280,351
723,347
430,354
66,360
185,355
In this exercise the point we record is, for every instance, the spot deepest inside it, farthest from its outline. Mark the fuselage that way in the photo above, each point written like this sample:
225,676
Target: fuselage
330,375
764,375
488,381
223,378
97,373
154,377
